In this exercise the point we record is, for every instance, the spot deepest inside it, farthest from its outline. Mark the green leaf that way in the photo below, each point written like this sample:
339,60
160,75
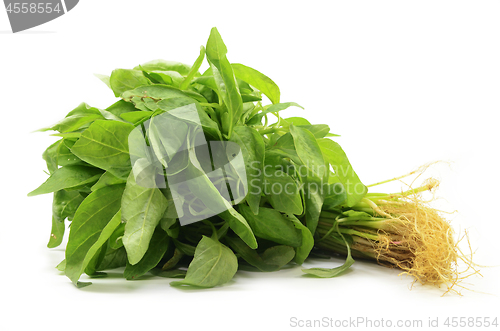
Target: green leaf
202,188
114,258
224,78
122,80
121,107
64,205
270,224
142,210
318,130
167,77
154,92
56,232
313,171
115,240
98,256
94,221
329,273
193,113
176,273
258,80
278,255
309,152
61,266
157,248
184,248
273,258
59,154
110,116
50,156
356,190
213,264
137,117
68,177
256,119
302,252
64,155
286,122
167,136
107,179
172,262
283,192
105,145
69,135
147,98
285,147
170,225
208,81
194,69
104,79
245,98
335,194
253,149
163,65
333,272
313,201
239,225
77,118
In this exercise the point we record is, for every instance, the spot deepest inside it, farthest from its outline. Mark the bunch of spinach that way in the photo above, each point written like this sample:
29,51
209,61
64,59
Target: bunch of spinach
115,222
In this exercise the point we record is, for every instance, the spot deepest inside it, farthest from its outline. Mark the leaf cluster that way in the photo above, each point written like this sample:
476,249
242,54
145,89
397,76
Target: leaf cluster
294,171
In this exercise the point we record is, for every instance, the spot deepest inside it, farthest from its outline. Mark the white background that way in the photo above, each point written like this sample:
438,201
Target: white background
403,82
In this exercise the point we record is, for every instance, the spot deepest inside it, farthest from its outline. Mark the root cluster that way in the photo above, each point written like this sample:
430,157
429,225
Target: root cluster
416,239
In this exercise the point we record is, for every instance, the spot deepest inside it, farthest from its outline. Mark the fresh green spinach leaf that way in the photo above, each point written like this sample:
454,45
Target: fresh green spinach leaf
213,264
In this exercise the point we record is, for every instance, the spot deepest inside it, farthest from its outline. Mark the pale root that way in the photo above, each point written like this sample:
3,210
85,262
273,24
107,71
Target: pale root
419,241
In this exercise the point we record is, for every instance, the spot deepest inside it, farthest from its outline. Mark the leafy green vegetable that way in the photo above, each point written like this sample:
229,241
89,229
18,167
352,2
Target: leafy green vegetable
302,252
94,221
142,209
239,225
213,264
68,177
253,149
182,156
343,170
157,248
272,259
270,224
225,81
64,205
283,192
105,145
122,80
258,80
77,118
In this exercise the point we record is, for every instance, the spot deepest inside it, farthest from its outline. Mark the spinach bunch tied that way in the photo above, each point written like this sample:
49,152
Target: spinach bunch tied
191,175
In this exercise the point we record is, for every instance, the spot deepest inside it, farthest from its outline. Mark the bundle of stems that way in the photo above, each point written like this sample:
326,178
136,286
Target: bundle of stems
399,230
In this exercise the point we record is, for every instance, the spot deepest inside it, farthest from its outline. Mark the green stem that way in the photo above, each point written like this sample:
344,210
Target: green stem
359,234
396,196
392,179
271,130
212,105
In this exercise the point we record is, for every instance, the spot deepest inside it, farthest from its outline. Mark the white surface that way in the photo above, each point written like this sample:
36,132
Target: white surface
404,83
